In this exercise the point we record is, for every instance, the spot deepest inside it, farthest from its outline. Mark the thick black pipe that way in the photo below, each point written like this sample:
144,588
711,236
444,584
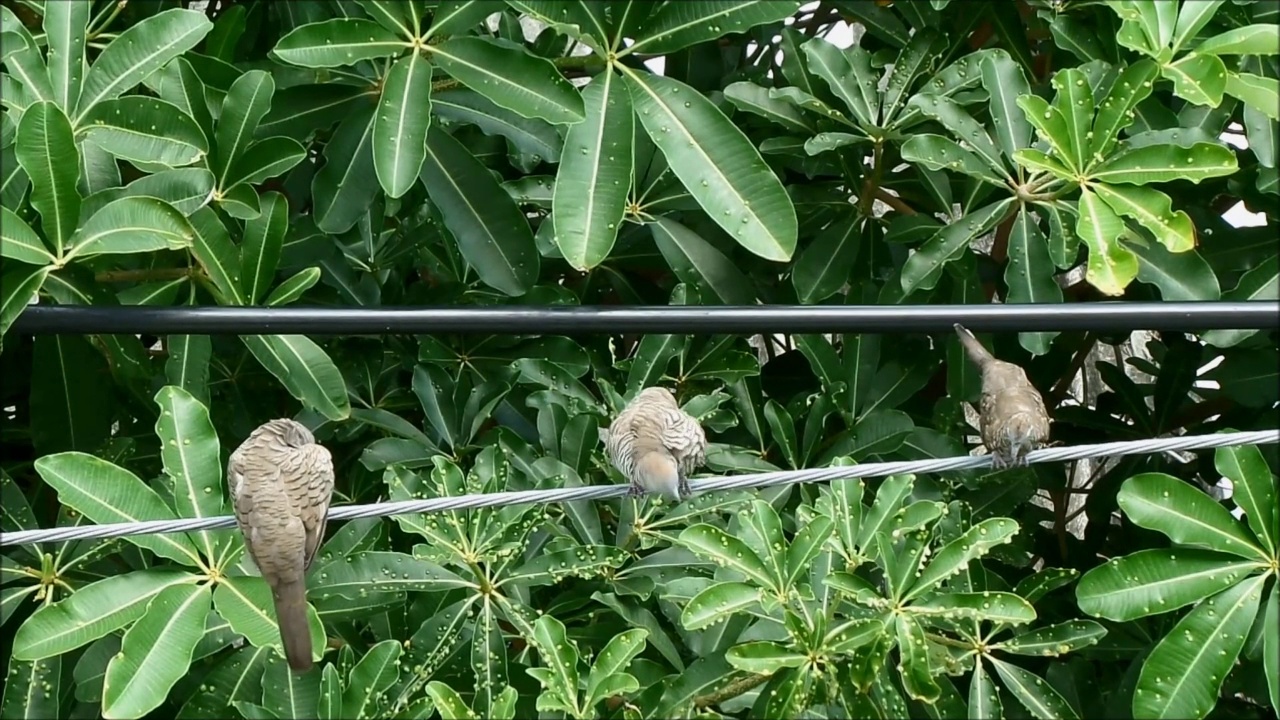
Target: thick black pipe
735,320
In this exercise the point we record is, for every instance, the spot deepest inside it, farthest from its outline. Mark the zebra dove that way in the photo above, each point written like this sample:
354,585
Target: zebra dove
1013,419
281,483
655,444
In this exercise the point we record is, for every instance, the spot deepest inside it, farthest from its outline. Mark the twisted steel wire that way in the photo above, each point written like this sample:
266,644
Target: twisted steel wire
602,492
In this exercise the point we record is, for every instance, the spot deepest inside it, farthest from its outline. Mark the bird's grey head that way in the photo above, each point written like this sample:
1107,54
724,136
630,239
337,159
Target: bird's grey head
291,432
657,394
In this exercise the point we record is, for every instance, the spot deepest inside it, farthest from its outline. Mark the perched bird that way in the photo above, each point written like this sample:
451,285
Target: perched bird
1012,414
655,444
281,483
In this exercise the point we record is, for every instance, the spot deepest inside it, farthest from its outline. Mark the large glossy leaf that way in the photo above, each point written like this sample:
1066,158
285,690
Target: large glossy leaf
717,603
1163,163
924,266
850,76
1184,673
823,267
64,26
698,263
678,25
260,250
305,369
139,51
93,611
1111,266
595,174
217,255
247,101
18,287
956,555
344,187
1030,275
1258,92
190,452
492,234
145,130
46,149
1037,696
715,544
1150,582
1187,516
400,124
19,242
512,78
155,652
1152,210
130,225
1005,81
1253,488
717,164
338,42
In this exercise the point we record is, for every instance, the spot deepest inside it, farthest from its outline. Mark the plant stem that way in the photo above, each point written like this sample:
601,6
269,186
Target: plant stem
732,690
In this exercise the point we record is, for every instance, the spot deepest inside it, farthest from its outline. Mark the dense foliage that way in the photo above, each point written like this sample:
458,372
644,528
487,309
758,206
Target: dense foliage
363,153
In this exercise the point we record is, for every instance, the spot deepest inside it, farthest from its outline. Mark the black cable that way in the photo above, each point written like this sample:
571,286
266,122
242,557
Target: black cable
735,320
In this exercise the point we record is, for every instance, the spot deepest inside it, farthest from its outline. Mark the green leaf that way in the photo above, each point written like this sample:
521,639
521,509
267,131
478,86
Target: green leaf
675,26
805,546
939,153
131,225
698,263
1037,696
1030,275
1192,17
260,250
306,371
1164,163
984,698
448,702
1271,644
455,17
46,149
956,555
1198,79
825,264
717,603
924,266
106,493
850,77
400,124
338,42
1051,128
64,26
19,242
24,60
363,573
717,164
612,662
917,676
1111,267
492,234
714,544
155,652
240,202
394,16
1074,102
1253,490
760,101
93,611
293,288
763,657
186,189
1150,582
1152,210
1185,515
1184,673
247,101
594,178
1184,276
369,680
190,452
1005,81
1258,39
217,255
955,118
997,607
511,77
560,678
1055,640
245,603
265,159
145,130
1259,93
1116,111
345,186
19,285
139,51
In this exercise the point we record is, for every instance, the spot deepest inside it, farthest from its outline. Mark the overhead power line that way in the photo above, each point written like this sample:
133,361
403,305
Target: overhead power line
674,319
601,492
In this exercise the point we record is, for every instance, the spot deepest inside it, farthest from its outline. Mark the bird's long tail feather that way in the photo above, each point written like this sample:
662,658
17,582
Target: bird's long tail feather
295,633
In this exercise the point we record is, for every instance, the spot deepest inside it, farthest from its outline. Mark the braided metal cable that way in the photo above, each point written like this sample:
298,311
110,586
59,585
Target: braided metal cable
601,492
